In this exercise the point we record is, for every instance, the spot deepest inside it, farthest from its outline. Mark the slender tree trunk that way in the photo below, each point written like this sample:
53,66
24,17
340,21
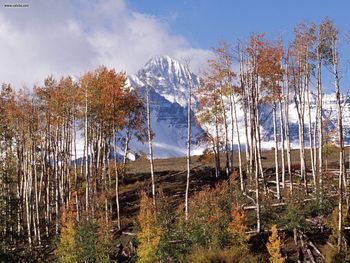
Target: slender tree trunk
238,143
276,151
299,102
126,146
312,159
341,144
283,169
188,150
232,132
86,156
320,122
150,144
257,193
286,126
257,134
75,166
56,161
36,197
217,147
227,168
27,192
116,176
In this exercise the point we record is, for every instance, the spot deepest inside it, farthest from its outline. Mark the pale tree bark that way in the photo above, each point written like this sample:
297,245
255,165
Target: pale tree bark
243,82
319,119
34,165
312,159
224,117
56,185
287,134
86,156
299,99
149,133
274,113
238,143
341,142
257,191
283,169
248,154
217,145
258,134
126,146
188,159
75,164
116,175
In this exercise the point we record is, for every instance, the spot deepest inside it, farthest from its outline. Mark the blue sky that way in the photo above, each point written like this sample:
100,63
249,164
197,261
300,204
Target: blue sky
204,23
71,37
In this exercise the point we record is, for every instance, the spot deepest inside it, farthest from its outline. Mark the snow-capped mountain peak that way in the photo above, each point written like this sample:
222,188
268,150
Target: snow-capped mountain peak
168,77
169,81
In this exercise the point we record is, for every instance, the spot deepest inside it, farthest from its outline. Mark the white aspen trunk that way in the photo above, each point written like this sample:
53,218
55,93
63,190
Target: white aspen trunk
18,188
226,134
286,126
48,185
188,150
217,142
36,198
75,166
150,144
104,176
286,131
238,143
257,193
116,176
252,118
60,164
341,144
310,137
91,174
282,145
43,168
302,152
320,123
232,132
246,105
299,102
27,198
86,156
274,113
126,146
247,123
108,174
257,134
55,155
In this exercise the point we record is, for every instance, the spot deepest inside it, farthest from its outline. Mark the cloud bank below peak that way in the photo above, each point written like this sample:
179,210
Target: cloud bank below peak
67,37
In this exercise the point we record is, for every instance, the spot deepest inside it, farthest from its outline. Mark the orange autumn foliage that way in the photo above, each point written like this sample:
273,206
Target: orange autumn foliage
238,225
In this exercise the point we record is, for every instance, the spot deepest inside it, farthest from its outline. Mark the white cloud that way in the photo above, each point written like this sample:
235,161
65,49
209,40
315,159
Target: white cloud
67,37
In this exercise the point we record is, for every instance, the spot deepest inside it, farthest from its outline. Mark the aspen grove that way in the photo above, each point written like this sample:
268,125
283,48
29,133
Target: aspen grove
64,175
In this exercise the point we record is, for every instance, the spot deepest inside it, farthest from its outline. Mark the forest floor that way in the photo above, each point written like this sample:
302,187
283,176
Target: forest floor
170,175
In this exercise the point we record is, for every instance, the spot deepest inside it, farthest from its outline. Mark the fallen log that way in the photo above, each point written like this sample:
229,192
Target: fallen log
316,250
129,233
311,257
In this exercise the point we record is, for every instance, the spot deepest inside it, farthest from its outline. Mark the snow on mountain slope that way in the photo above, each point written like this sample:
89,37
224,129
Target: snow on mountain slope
168,77
329,113
168,81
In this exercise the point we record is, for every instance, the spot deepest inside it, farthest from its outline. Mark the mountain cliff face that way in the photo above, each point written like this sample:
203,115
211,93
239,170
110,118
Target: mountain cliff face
168,78
168,81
